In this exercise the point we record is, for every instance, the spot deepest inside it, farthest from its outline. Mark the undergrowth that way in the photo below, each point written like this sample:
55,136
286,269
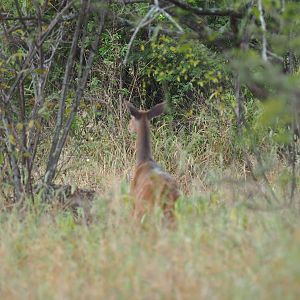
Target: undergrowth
229,242
215,252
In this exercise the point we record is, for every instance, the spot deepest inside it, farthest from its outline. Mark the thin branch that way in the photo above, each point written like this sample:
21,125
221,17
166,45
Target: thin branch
20,15
151,15
171,19
259,160
54,157
291,70
153,10
293,160
240,103
282,5
65,89
20,18
263,28
242,123
127,2
207,12
82,50
47,66
54,22
22,119
32,52
82,83
12,157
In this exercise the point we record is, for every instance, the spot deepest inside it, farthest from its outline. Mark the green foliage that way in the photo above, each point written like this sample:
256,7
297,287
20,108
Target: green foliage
184,69
196,77
228,249
112,47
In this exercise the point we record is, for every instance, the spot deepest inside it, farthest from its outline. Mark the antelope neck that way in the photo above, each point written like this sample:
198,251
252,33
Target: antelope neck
143,143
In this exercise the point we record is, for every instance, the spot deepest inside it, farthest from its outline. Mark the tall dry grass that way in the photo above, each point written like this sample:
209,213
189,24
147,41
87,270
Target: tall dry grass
220,248
216,252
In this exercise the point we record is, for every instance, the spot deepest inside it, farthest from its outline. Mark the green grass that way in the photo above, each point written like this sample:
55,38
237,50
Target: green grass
220,249
216,252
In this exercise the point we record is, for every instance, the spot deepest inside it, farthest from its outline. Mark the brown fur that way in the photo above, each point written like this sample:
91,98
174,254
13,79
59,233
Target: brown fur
150,184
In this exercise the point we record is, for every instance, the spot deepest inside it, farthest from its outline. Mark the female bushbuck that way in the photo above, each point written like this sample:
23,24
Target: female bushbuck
150,184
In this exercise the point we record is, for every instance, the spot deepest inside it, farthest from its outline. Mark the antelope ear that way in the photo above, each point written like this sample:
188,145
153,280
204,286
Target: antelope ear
133,111
156,110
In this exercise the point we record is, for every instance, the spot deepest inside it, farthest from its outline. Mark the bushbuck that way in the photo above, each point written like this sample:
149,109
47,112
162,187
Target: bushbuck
150,184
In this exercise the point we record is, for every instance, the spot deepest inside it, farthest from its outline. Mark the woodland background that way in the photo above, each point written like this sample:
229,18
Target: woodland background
229,72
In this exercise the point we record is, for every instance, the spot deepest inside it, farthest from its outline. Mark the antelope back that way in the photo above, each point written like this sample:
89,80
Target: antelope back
150,186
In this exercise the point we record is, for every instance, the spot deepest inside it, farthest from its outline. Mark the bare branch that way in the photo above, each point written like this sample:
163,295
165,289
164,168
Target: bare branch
282,5
12,157
263,28
59,143
20,15
20,18
125,2
153,10
54,22
151,15
207,12
65,89
32,52
170,18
